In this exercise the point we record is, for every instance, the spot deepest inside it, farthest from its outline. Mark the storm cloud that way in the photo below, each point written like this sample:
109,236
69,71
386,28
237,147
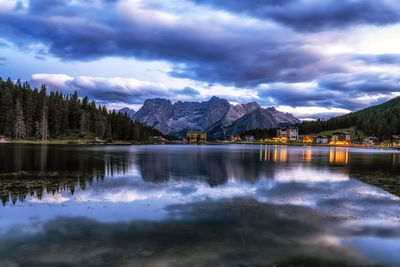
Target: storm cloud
295,53
125,90
314,15
227,52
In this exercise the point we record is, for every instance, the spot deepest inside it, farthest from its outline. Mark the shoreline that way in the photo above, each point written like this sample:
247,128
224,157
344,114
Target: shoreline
82,142
305,144
177,142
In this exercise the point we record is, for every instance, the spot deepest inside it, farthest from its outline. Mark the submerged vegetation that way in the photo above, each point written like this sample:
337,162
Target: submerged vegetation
36,115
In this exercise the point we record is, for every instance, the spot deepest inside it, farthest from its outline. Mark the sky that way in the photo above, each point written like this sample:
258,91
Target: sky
313,58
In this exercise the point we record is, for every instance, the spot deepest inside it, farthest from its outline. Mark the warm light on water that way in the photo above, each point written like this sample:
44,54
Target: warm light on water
338,155
188,205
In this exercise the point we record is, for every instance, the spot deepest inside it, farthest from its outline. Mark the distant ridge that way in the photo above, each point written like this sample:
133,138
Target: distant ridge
216,117
128,111
382,120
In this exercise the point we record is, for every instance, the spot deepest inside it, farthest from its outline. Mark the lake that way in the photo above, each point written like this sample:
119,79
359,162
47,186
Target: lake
214,205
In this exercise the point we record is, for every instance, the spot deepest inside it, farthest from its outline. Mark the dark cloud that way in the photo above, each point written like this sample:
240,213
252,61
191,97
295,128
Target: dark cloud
383,59
102,90
290,96
52,7
314,15
211,51
187,91
347,91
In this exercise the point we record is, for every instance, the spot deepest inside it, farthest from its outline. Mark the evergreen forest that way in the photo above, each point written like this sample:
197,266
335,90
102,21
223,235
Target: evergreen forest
42,115
382,121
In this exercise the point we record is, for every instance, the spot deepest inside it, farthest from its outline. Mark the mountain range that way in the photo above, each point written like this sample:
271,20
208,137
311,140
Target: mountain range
217,117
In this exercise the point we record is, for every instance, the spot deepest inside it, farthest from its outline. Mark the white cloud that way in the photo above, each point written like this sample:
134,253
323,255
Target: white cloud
7,5
303,112
53,80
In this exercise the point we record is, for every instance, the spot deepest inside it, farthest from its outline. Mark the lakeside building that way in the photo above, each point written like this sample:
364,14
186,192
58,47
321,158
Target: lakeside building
195,137
395,140
280,139
235,138
308,139
370,141
249,138
341,138
322,139
288,134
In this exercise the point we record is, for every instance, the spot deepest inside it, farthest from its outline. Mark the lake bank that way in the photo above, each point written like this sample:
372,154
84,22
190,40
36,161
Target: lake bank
176,142
302,144
84,142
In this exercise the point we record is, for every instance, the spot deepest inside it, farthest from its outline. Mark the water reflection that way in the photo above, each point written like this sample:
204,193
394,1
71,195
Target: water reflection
237,232
396,159
307,154
273,153
185,205
339,155
27,170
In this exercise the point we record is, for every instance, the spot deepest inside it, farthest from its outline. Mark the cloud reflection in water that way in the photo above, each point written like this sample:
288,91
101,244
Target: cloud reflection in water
182,205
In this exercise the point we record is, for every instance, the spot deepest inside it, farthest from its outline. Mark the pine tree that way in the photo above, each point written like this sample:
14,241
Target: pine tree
6,109
28,110
19,126
108,133
84,123
100,128
42,128
65,121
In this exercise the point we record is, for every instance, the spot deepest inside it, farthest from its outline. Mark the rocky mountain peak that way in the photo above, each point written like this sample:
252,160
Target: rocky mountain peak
216,117
128,111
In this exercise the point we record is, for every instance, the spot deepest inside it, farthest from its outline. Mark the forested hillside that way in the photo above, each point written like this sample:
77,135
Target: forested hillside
27,112
259,133
381,120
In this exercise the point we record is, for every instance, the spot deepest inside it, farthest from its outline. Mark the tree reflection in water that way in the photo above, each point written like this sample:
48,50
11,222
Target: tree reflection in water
197,205
30,170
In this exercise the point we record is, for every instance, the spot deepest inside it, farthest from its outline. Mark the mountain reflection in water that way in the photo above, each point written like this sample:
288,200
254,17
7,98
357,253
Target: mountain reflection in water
198,205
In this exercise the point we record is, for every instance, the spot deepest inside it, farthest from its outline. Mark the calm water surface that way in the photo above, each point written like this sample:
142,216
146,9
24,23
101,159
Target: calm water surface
231,205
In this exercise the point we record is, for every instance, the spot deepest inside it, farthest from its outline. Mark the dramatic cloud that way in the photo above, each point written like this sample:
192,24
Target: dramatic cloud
224,50
313,15
297,53
188,91
126,90
383,59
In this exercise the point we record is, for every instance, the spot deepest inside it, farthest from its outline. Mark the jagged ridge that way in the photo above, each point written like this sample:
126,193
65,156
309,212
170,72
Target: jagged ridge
216,117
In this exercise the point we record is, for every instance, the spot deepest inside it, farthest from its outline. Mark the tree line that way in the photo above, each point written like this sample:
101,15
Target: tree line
381,121
35,113
259,133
